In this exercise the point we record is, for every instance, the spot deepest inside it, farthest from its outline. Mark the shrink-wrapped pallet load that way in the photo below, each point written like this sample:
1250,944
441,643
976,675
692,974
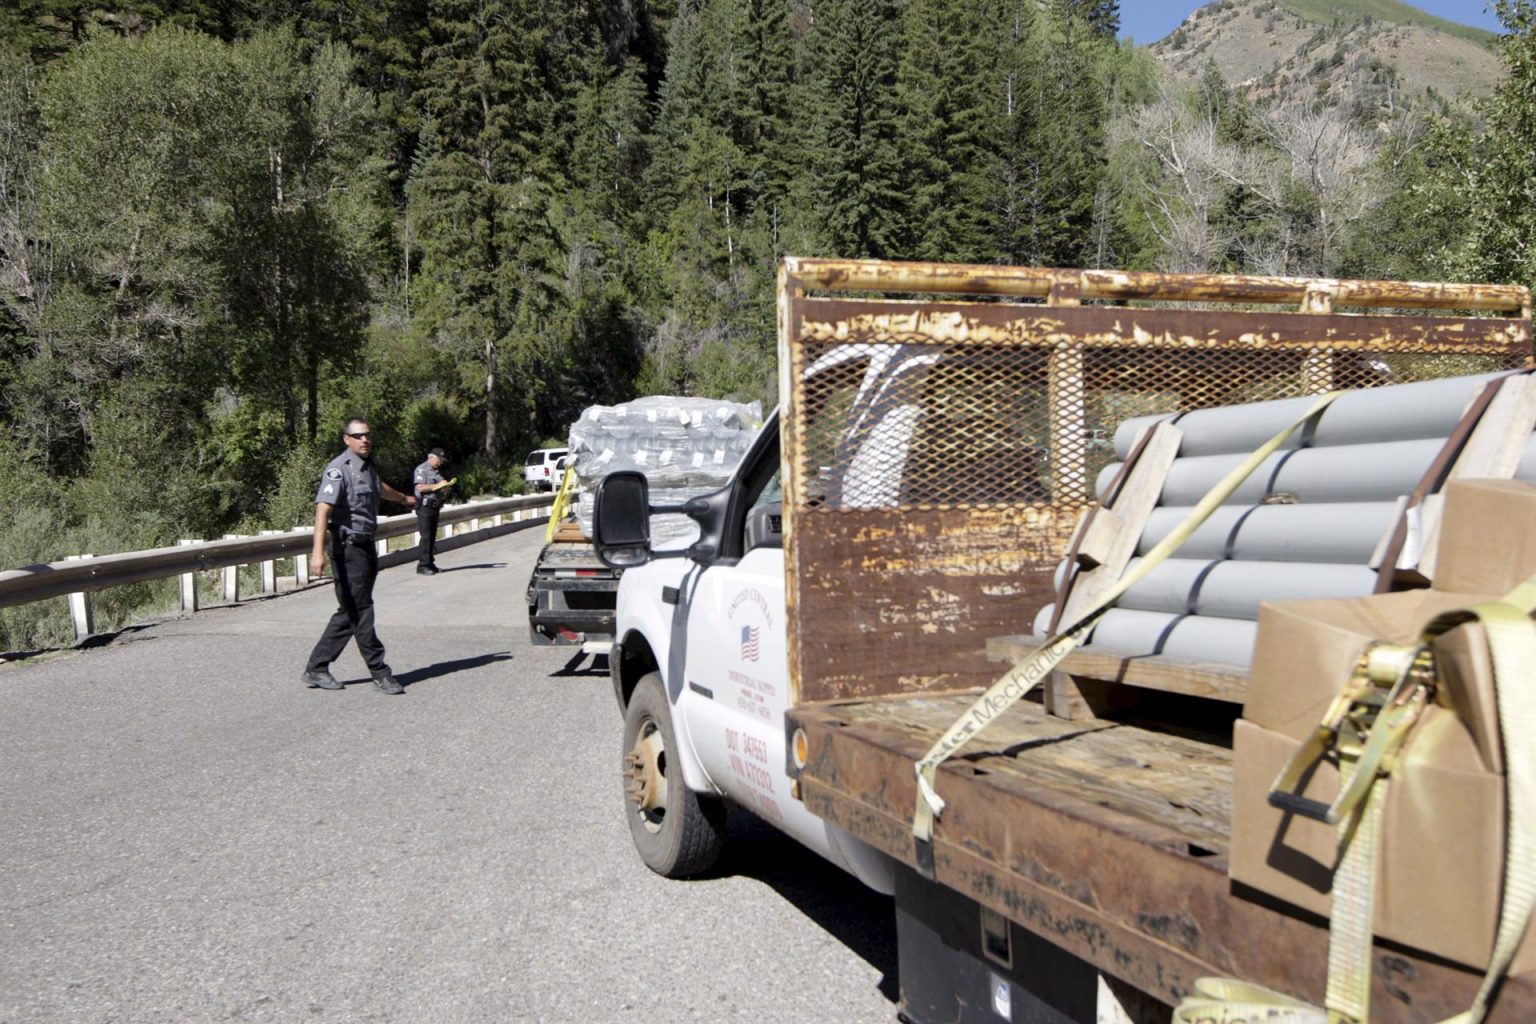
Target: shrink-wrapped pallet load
685,447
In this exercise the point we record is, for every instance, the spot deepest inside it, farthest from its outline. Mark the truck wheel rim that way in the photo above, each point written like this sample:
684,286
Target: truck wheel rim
645,775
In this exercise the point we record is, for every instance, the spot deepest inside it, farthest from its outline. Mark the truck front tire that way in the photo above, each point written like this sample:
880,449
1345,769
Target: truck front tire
677,832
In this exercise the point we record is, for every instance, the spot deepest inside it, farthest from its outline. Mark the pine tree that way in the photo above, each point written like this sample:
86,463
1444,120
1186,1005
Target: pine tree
498,90
1058,143
949,76
860,174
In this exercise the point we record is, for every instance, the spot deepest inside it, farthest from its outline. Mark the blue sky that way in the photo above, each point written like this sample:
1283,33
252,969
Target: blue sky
1147,21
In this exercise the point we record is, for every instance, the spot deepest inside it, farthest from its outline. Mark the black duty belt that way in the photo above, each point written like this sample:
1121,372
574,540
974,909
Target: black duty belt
361,540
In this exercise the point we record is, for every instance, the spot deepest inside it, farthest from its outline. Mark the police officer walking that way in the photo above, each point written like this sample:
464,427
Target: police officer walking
346,513
430,486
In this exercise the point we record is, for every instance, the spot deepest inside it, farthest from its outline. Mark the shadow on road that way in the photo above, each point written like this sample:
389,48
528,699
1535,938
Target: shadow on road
91,642
859,918
597,667
444,668
480,565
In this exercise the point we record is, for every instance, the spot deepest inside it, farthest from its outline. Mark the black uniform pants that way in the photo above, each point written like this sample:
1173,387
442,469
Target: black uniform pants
426,525
355,567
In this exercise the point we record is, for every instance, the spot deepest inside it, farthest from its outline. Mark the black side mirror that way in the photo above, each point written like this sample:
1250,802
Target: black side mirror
621,520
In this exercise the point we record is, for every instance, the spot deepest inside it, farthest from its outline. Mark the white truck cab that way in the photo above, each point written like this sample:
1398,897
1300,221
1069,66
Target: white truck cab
701,670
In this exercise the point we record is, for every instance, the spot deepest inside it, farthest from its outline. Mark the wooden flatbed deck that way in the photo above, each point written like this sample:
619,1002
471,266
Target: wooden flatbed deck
1107,837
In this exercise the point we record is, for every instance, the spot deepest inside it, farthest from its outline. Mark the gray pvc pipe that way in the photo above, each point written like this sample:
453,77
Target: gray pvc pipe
1357,472
1346,532
1101,482
1131,634
1233,590
1527,468
1398,412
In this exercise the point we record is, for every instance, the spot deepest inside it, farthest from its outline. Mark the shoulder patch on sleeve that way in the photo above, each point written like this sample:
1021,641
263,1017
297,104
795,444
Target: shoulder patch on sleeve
333,473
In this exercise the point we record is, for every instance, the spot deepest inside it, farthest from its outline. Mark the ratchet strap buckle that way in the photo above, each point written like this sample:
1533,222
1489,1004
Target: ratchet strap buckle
1366,726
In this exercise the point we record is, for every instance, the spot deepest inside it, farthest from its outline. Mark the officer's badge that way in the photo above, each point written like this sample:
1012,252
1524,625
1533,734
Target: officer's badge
333,474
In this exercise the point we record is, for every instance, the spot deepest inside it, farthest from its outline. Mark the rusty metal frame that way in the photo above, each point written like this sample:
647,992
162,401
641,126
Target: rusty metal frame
856,632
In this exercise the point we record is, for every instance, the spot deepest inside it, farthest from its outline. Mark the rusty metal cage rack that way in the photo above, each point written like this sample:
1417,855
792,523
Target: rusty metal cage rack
943,426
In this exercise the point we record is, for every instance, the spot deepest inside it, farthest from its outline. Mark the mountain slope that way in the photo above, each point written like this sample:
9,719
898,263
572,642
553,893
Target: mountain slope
1374,56
1325,12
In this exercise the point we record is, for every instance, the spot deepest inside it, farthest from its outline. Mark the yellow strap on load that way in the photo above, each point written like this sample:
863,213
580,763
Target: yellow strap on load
1224,1001
1512,647
1023,677
562,499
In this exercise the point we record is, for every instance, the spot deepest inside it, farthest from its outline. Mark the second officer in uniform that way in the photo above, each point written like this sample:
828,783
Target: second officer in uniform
346,513
430,487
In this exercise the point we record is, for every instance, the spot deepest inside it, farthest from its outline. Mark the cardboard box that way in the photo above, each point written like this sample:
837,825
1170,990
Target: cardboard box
1487,536
1443,830
1306,650
1442,851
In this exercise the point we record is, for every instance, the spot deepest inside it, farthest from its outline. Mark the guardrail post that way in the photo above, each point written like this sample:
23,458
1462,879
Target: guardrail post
496,520
474,525
231,577
80,607
188,584
447,529
301,570
382,544
269,569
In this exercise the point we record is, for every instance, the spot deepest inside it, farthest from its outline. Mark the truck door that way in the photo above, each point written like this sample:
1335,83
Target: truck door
738,664
736,677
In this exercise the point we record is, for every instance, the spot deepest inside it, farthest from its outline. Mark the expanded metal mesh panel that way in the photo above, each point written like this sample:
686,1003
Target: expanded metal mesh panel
914,423
939,451
936,426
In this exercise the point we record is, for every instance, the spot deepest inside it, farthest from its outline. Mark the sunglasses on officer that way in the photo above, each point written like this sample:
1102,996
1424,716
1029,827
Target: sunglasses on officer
360,434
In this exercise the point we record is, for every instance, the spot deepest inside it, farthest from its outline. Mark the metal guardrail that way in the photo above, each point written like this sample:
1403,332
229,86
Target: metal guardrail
76,577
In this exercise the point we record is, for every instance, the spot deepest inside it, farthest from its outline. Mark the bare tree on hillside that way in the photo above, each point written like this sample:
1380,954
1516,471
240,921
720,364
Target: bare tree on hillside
1330,158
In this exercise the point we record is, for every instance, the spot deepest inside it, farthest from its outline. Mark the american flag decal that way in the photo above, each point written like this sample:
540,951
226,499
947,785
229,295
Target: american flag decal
749,643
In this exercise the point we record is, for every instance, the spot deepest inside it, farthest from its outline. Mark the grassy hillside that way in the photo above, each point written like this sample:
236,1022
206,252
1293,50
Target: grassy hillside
1395,11
1370,56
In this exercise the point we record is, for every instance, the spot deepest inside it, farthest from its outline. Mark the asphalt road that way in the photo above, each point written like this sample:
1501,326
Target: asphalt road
188,834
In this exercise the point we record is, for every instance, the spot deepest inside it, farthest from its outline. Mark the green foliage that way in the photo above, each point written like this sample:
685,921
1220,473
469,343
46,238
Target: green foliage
1494,169
858,163
291,502
223,227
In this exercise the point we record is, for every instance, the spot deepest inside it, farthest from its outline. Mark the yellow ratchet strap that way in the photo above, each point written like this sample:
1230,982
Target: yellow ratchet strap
562,501
1023,677
1512,647
1365,726
1224,1001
